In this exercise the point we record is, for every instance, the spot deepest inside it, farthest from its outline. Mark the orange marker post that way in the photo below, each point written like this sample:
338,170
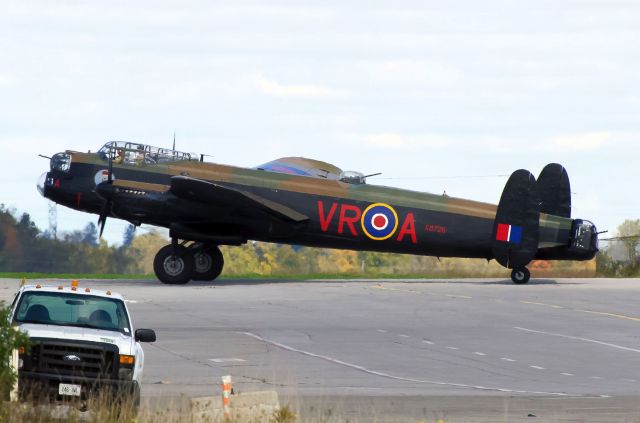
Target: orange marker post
226,396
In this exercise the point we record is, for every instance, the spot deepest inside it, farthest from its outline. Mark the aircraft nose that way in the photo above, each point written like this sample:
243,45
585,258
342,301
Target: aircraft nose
41,181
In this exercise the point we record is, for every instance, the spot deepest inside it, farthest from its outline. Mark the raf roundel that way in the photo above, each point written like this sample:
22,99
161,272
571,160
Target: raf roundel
379,221
102,176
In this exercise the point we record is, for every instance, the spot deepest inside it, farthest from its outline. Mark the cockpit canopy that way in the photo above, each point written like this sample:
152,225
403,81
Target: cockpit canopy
134,153
301,166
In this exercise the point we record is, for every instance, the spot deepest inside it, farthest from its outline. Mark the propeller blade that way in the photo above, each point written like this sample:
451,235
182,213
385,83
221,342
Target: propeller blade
101,224
110,175
102,220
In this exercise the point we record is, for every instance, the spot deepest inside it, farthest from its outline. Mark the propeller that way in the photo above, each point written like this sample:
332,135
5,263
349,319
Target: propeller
104,213
102,220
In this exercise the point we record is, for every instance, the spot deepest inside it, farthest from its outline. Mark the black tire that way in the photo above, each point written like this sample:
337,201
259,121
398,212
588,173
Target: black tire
173,265
520,276
209,263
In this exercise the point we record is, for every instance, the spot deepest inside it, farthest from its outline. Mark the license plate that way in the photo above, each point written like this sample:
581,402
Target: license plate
69,389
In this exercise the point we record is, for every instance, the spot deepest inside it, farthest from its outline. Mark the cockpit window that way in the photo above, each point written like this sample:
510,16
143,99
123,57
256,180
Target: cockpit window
131,153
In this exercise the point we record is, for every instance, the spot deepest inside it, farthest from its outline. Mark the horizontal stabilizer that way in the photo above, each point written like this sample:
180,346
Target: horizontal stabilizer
516,228
208,192
554,190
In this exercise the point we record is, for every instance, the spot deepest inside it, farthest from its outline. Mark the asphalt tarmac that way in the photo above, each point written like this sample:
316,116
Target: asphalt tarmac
461,350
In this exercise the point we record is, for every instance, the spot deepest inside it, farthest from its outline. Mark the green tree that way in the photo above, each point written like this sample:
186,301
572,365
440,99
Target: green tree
10,339
129,234
142,251
629,230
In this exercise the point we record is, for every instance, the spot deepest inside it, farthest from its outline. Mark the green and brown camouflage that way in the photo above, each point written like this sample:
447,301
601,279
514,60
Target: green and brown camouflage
308,202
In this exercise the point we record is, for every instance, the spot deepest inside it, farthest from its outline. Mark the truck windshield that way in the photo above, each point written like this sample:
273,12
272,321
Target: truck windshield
68,309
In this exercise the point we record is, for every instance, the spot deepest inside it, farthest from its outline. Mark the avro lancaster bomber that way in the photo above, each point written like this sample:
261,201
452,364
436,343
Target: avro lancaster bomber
307,202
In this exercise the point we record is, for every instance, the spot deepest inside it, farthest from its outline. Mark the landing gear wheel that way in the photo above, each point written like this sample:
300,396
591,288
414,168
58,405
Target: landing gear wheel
174,265
520,276
208,264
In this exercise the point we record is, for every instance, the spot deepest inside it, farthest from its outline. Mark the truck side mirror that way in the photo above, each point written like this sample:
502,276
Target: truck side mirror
145,335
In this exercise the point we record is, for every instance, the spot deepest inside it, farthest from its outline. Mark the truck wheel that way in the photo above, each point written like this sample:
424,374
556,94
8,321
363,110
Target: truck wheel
520,276
173,265
208,264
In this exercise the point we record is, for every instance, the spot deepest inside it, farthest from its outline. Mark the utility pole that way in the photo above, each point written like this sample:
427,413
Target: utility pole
53,220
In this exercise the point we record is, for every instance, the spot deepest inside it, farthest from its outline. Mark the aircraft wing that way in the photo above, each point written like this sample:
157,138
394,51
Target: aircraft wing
207,192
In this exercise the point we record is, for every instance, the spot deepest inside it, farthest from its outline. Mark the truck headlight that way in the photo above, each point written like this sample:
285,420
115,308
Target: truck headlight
125,374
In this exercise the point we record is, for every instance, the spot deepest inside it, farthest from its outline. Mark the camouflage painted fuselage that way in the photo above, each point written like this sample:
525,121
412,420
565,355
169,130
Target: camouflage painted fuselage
339,214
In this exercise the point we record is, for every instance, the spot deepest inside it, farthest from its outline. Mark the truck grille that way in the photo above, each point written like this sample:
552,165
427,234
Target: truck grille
89,360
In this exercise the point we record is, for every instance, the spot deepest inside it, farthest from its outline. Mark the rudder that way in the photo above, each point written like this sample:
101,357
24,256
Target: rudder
517,223
554,190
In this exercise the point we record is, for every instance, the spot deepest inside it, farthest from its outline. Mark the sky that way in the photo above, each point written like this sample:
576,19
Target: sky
437,95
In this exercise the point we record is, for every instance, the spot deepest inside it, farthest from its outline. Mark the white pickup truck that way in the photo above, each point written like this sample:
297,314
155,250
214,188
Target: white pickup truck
82,343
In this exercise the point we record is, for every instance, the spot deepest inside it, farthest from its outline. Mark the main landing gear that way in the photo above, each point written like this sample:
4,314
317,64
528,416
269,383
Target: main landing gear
177,264
520,276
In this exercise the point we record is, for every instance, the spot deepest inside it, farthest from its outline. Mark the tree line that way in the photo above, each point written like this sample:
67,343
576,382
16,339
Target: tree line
26,248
